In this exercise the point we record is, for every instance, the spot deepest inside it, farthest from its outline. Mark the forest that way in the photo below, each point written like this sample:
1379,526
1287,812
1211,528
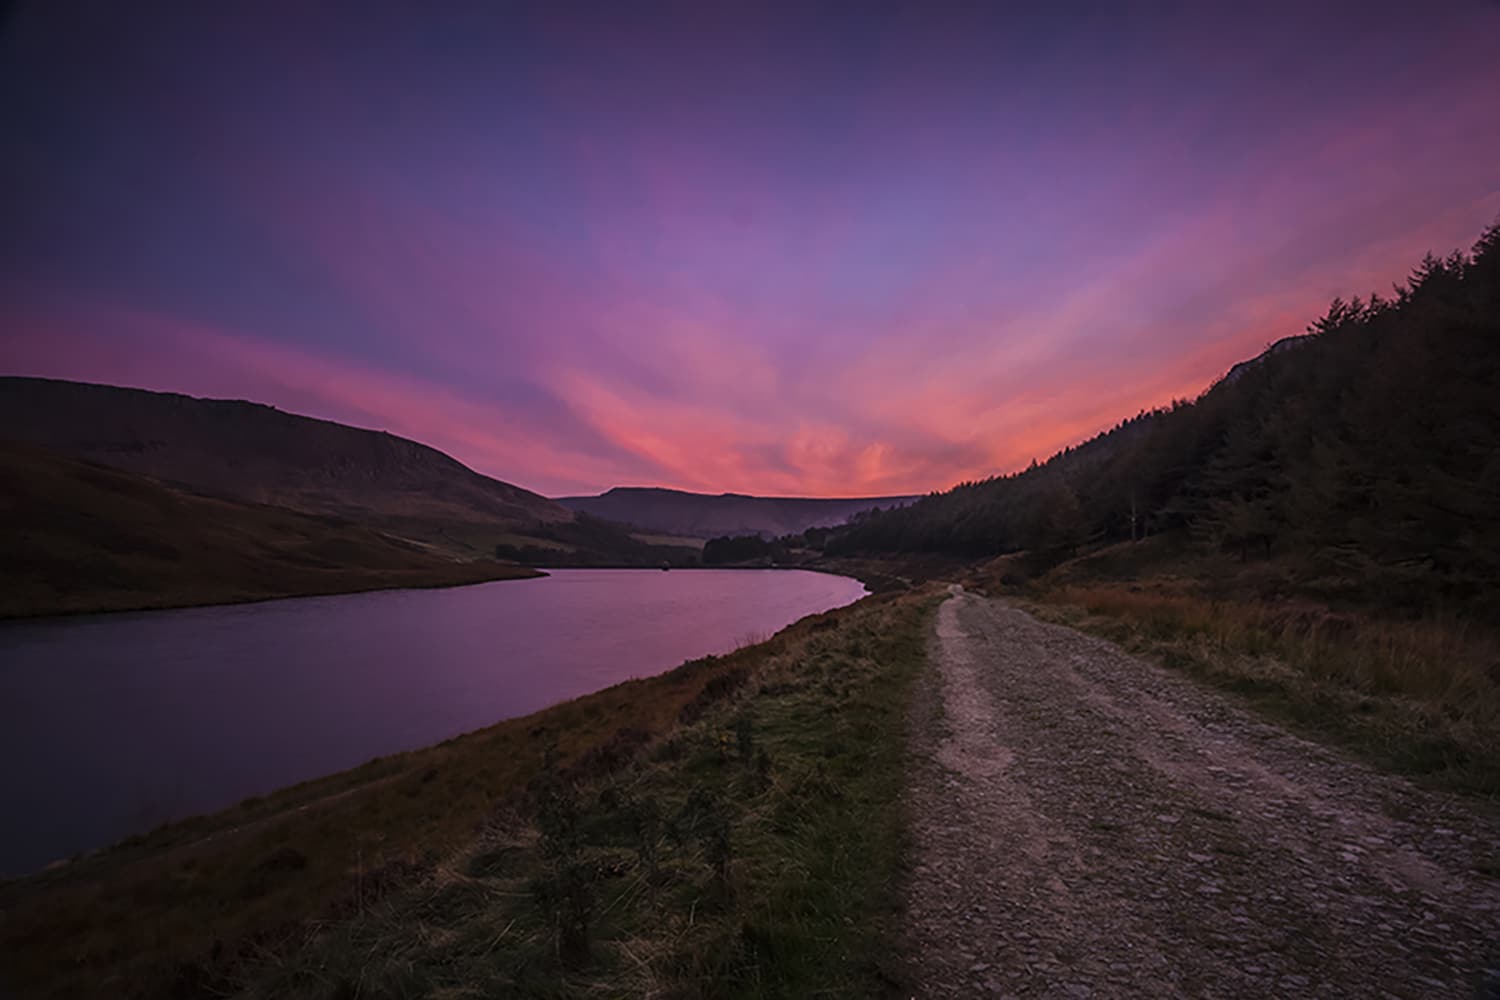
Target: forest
1361,456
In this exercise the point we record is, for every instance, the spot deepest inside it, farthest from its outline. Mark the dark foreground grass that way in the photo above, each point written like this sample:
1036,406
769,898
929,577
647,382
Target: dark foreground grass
731,828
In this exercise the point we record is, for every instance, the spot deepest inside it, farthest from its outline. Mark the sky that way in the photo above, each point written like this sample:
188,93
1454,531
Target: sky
793,249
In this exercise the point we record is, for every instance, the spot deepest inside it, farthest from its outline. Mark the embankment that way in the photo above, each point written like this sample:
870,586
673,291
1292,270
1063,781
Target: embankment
694,828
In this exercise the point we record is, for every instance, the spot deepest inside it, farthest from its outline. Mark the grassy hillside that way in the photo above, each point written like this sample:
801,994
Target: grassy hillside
80,537
690,834
701,515
254,452
1363,460
257,454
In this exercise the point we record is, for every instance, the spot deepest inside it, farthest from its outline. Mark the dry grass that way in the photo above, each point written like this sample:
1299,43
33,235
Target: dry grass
1420,696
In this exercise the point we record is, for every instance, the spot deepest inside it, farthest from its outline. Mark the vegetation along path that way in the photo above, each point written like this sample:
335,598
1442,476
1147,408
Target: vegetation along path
1088,825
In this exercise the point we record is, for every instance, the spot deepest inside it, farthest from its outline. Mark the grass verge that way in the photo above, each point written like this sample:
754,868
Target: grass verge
730,828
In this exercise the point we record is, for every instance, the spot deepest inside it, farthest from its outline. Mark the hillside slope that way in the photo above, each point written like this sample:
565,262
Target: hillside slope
255,453
703,515
80,537
258,453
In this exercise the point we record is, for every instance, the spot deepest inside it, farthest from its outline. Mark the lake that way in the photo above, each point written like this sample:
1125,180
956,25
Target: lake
113,724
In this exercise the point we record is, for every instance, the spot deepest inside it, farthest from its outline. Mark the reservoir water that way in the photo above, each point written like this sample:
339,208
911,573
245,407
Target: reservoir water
112,724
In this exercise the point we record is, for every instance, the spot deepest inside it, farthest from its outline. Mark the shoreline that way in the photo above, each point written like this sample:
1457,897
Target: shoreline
875,583
318,780
144,909
179,604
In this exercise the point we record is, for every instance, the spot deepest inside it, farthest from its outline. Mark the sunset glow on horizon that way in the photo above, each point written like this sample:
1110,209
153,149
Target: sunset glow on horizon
727,251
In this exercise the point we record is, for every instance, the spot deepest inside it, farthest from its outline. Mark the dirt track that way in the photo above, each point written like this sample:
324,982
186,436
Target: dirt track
1089,825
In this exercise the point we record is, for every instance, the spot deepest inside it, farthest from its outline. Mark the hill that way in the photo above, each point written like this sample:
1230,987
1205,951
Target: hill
250,452
80,537
703,515
1360,461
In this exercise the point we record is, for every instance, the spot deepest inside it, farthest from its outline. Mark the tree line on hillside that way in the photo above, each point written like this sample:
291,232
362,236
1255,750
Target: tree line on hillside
736,548
1366,450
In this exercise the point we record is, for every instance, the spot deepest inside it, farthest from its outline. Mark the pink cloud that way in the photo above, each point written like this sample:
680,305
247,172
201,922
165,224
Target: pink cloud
950,282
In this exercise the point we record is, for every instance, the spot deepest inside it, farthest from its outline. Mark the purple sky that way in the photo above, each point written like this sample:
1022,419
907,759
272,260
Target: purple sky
718,247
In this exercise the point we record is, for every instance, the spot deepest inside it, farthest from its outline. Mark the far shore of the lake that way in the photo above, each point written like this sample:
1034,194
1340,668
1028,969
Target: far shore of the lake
461,575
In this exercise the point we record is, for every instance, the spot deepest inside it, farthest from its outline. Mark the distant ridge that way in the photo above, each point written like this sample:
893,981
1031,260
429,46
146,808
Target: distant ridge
705,515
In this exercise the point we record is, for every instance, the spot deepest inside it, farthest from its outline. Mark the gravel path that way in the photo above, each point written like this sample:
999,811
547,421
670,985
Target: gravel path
1089,825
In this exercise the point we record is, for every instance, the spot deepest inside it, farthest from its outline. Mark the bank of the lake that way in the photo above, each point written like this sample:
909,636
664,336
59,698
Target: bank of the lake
117,723
778,765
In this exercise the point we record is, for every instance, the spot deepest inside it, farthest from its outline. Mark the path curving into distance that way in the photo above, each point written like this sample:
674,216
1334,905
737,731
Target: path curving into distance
1090,825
